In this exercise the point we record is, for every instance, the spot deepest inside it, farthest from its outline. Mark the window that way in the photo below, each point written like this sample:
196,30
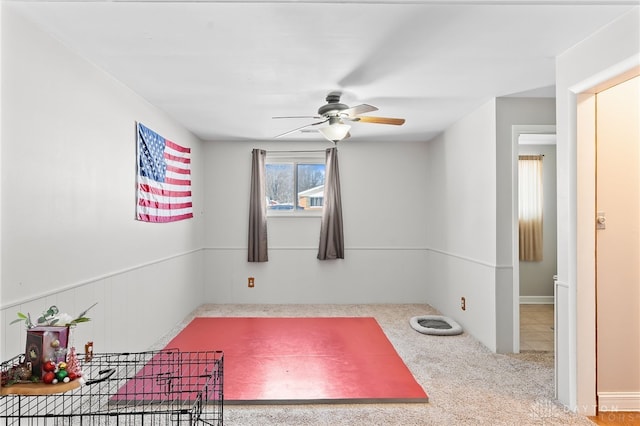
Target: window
295,183
530,207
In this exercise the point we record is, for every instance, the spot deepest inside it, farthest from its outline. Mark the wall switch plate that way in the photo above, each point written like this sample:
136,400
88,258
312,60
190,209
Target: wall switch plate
251,282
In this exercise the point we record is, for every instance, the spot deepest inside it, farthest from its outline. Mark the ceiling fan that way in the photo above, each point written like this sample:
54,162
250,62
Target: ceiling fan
335,114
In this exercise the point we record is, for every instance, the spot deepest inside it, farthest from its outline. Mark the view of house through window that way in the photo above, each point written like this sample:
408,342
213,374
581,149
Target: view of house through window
295,186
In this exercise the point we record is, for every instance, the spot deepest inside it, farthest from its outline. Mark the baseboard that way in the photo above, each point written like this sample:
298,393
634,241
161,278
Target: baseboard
618,401
536,300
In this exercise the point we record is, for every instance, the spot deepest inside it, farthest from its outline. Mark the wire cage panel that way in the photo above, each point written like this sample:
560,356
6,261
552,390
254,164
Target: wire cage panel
165,387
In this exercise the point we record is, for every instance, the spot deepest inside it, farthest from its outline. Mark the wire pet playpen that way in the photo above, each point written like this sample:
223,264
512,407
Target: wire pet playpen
165,387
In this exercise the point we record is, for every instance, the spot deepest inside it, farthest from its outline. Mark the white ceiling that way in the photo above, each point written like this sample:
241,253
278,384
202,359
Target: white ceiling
224,68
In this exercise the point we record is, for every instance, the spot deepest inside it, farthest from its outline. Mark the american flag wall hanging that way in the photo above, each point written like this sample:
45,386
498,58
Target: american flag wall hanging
164,179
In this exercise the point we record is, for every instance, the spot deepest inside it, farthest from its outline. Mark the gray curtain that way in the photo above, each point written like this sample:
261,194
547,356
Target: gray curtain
258,209
331,236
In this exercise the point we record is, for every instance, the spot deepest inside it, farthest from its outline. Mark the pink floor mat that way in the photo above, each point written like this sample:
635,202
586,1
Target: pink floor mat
303,360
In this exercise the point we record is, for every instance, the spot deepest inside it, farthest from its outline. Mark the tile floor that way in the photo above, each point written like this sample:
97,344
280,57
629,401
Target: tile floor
536,327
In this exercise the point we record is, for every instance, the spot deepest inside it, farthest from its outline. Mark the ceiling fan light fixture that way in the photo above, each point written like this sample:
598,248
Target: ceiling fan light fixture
334,112
335,131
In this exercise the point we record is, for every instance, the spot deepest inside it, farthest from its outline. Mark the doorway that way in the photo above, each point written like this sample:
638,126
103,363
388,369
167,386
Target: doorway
534,278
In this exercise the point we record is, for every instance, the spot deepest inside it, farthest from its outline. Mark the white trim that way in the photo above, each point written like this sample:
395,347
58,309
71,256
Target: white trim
618,401
536,300
312,213
470,259
306,157
420,2
584,371
374,248
316,248
537,139
465,258
609,76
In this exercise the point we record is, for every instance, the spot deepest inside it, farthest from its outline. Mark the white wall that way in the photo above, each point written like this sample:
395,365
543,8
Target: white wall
470,233
461,234
68,200
606,54
384,211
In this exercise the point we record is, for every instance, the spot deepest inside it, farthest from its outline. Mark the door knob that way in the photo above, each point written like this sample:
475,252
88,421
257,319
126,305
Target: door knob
601,221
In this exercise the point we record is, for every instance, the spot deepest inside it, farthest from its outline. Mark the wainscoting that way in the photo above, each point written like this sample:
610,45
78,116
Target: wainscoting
134,306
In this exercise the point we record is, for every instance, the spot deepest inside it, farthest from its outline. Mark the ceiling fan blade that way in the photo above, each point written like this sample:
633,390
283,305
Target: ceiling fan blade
380,120
358,109
300,128
298,116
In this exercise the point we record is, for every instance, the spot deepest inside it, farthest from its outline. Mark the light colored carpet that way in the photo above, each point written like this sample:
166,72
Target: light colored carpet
467,384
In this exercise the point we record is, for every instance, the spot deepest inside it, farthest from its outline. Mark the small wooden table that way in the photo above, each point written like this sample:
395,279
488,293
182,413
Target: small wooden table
35,389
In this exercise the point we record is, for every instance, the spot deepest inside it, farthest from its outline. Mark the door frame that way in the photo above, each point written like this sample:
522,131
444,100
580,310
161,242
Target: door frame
584,107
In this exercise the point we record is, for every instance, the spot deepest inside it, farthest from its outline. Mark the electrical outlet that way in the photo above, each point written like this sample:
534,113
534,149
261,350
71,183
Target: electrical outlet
463,303
251,282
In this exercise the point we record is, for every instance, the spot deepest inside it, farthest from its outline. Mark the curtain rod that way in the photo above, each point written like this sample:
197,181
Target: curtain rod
312,150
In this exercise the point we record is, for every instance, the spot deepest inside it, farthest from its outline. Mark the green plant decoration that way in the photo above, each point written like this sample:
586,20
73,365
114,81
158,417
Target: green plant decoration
52,316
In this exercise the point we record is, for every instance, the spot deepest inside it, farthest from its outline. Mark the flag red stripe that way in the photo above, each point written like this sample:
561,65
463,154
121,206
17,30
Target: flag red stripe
163,192
163,219
166,206
176,147
176,158
177,181
178,170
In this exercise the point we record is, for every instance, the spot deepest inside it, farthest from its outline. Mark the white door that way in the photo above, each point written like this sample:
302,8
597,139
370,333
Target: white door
618,243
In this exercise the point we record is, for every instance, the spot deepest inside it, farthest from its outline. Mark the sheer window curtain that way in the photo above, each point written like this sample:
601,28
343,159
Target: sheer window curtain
258,208
331,234
530,207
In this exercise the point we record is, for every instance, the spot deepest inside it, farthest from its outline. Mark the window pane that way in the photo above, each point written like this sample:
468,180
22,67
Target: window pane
310,189
280,186
295,186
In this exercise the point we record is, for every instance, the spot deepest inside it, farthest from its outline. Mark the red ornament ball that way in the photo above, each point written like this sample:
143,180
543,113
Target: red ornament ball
49,366
49,377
